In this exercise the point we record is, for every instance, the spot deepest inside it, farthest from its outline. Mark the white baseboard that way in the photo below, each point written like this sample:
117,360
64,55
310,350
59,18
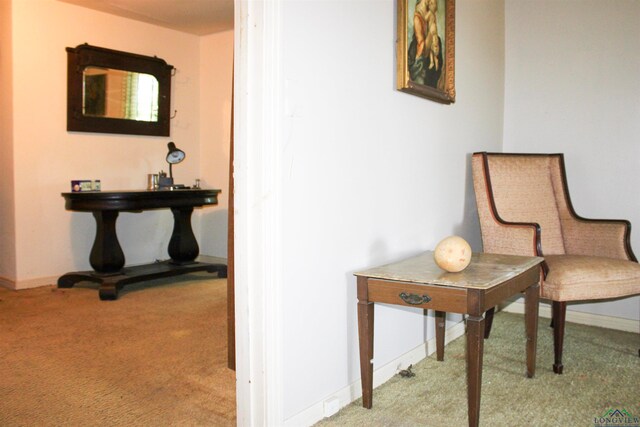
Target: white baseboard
345,396
7,283
609,322
16,285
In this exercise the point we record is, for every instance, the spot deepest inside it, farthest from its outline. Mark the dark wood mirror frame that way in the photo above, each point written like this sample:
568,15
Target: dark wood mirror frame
85,55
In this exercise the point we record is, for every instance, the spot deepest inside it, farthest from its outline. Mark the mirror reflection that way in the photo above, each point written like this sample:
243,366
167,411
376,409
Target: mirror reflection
119,94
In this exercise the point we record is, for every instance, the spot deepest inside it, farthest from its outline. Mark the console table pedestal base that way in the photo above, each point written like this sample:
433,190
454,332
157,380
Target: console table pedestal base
110,284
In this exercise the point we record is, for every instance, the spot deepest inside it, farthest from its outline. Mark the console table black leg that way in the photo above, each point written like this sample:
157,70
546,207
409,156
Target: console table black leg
108,292
106,254
183,246
222,273
70,279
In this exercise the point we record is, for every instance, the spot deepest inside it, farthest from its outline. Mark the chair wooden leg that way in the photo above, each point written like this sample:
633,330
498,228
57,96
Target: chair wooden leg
488,321
559,315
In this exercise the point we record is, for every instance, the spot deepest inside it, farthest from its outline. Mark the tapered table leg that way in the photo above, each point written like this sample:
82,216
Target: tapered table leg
531,299
441,321
475,347
365,335
183,246
106,255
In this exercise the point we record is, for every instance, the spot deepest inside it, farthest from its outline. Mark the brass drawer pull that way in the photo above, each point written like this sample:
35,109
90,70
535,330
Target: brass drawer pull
414,299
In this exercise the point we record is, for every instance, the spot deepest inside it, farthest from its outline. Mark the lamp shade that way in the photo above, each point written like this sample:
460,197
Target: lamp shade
175,155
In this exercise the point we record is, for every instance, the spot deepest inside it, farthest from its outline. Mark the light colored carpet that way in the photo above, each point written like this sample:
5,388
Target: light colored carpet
602,372
155,357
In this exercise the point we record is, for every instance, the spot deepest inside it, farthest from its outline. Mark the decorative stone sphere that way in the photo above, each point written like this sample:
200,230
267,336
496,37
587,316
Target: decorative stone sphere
453,254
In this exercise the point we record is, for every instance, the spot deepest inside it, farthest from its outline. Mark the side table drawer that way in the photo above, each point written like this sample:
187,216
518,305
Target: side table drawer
439,298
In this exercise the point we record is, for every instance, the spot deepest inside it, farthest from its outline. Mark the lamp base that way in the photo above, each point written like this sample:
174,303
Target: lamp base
164,181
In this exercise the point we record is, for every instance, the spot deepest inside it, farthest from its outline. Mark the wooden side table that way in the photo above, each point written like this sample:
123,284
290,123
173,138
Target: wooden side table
419,282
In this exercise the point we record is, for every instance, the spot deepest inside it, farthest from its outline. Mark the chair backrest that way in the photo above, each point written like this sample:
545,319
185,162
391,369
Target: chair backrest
521,188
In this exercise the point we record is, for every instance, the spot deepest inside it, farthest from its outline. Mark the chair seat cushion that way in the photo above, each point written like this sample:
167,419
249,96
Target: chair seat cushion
577,277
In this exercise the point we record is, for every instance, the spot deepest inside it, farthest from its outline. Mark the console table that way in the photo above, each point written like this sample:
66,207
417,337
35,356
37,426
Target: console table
419,282
107,258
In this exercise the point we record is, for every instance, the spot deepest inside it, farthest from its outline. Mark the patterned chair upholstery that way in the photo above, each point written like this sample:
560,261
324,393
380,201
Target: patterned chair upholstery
524,209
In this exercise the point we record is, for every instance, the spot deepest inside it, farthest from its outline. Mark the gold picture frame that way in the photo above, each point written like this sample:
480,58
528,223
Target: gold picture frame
424,68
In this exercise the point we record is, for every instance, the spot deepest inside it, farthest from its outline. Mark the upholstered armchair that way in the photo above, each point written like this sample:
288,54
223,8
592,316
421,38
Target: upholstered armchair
524,209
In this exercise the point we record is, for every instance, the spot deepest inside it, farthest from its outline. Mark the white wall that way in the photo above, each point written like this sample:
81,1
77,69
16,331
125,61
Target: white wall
49,240
7,217
370,175
216,71
572,85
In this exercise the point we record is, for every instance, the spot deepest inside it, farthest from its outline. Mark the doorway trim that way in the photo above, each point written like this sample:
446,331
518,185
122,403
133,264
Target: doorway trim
258,125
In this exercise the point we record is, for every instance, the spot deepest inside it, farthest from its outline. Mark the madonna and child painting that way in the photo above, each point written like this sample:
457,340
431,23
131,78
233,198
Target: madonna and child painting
426,46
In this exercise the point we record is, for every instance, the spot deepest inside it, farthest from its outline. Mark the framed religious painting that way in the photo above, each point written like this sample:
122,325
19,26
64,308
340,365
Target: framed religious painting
425,49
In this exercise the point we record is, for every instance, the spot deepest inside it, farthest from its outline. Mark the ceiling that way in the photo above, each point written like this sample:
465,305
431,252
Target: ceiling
199,17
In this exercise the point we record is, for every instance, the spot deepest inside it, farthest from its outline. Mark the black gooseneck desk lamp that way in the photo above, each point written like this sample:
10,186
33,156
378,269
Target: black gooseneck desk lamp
174,156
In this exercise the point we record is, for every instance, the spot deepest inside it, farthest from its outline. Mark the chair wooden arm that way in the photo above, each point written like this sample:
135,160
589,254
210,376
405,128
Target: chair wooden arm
597,237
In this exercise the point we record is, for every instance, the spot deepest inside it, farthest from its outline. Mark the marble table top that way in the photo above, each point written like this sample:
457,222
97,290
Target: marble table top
484,271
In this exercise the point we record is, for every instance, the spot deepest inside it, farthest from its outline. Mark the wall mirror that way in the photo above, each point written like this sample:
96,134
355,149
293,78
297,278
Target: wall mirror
110,91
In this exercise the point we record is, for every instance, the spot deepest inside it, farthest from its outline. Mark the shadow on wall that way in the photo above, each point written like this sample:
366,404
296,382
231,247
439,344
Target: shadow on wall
82,232
470,227
212,236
